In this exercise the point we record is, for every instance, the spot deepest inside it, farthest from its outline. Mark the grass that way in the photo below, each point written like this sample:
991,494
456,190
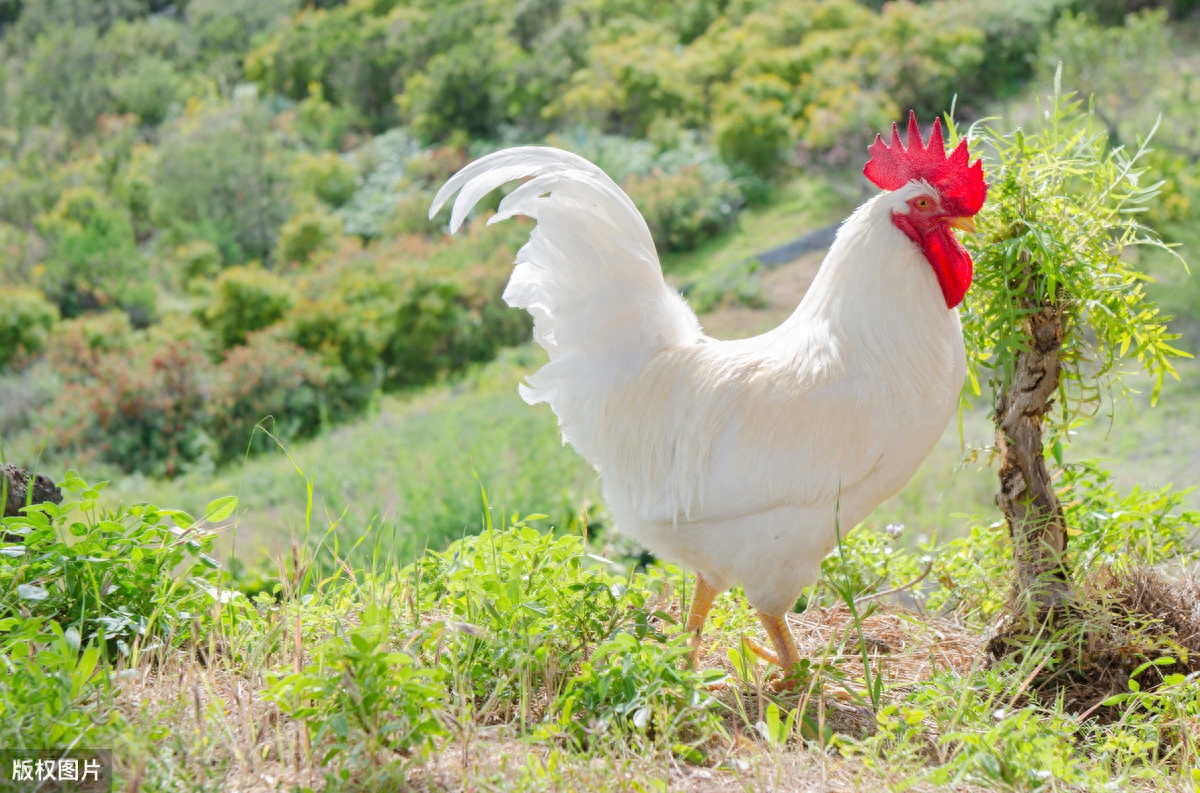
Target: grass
411,470
1139,444
521,660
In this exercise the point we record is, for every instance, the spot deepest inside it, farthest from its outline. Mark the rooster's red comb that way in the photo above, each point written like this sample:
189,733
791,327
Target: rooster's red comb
893,166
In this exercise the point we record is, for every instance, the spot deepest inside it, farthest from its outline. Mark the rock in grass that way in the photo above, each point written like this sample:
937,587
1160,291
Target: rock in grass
15,483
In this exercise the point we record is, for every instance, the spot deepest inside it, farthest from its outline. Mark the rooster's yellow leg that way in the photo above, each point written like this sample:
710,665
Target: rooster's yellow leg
786,656
702,601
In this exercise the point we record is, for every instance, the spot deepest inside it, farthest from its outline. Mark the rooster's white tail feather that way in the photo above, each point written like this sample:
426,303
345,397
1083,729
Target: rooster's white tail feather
589,275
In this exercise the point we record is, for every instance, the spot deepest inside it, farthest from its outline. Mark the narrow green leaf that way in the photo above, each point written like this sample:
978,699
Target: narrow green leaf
220,509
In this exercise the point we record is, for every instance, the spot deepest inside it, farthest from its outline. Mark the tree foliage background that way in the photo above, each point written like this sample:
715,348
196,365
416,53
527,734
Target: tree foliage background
189,185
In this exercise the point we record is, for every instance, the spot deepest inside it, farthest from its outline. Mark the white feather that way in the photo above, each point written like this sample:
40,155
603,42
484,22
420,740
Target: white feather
738,458
589,275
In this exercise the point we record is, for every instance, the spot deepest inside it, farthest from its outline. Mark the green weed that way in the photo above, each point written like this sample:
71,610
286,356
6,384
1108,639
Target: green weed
521,611
130,576
53,692
359,698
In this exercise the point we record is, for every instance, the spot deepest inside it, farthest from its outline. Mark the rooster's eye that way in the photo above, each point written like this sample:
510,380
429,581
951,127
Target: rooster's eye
923,203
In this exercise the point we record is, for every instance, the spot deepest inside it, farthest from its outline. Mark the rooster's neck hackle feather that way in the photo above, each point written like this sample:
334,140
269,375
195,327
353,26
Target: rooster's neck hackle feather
876,296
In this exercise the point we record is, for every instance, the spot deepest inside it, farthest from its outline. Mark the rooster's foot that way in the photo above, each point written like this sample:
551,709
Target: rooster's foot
788,682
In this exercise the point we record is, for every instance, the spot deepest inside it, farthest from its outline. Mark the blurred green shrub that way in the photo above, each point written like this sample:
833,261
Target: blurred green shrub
342,332
618,156
196,260
442,316
823,76
322,125
684,208
352,52
225,29
767,74
306,233
554,46
629,81
161,405
26,318
423,174
920,56
77,344
143,410
461,90
93,261
148,90
383,164
1131,74
32,180
429,169
405,312
270,378
410,215
397,314
130,177
179,326
20,250
246,299
436,325
1012,32
222,176
684,191
751,125
139,35
64,79
326,176
1113,12
1179,199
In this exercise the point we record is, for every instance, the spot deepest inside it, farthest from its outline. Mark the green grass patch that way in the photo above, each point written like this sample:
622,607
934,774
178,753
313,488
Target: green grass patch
410,472
517,659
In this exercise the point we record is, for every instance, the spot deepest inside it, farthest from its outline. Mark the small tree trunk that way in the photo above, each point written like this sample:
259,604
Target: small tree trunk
1035,518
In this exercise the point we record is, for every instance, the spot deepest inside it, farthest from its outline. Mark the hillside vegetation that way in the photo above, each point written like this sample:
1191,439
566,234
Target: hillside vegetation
214,212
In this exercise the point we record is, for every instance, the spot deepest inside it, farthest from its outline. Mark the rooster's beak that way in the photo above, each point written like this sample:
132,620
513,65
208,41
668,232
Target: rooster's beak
965,223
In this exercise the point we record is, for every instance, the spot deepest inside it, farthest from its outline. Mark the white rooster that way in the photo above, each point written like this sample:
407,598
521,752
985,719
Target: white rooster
740,458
